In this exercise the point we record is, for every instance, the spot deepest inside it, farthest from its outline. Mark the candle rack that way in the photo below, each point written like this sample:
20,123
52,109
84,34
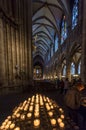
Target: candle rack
40,113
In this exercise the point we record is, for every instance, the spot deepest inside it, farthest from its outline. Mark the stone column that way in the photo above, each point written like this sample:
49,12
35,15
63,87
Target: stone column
20,36
76,68
59,71
21,13
25,42
17,56
83,56
5,52
9,51
29,41
26,56
68,75
2,55
68,71
13,53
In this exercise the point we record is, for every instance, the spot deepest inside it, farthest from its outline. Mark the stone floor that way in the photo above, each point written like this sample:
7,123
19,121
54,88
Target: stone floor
8,103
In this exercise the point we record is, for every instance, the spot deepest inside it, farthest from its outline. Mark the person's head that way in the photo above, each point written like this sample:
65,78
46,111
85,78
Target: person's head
80,86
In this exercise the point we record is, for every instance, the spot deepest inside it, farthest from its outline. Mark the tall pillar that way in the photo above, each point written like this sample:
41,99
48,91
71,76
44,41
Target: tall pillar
2,56
76,68
29,42
59,71
68,72
9,51
83,56
5,52
13,53
17,58
25,43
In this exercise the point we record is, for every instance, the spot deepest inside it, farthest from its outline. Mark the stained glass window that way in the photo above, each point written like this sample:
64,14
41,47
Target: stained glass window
37,71
63,30
51,50
56,43
72,68
75,14
64,70
48,56
79,67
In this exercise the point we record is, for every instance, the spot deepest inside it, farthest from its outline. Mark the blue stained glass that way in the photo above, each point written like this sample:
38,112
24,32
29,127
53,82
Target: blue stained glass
63,31
56,43
79,68
64,70
48,56
75,14
52,51
72,68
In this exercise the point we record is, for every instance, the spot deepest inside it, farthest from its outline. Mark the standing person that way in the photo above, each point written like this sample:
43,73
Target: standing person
73,82
58,83
62,86
82,109
66,85
72,101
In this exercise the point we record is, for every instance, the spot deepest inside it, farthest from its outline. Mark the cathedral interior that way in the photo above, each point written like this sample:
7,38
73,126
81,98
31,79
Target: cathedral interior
41,42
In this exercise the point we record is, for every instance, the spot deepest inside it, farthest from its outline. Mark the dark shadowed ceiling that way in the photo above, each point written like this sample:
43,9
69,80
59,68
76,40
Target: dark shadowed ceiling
46,20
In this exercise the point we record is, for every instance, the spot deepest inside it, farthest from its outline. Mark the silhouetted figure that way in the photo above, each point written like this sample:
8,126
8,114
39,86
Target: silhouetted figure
82,109
58,83
72,101
62,86
66,85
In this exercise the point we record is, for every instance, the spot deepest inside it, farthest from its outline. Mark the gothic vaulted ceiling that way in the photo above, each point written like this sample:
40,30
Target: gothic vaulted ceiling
46,21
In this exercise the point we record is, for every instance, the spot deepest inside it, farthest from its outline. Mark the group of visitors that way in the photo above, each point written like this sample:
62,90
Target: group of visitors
63,85
72,93
73,98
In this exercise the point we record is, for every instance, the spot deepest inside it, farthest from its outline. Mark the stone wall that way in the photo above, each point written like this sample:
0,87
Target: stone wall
15,43
66,51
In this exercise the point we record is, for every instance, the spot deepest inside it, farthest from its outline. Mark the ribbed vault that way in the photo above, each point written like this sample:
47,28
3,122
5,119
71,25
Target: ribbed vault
46,22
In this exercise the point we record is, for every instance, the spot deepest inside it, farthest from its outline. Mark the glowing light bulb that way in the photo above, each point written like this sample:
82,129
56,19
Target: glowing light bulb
53,122
36,114
62,116
2,127
61,110
61,125
17,115
31,108
36,123
17,128
12,126
22,117
59,120
7,126
9,117
50,114
29,115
